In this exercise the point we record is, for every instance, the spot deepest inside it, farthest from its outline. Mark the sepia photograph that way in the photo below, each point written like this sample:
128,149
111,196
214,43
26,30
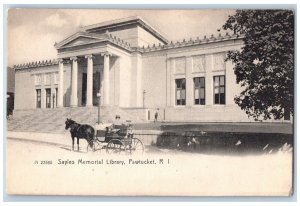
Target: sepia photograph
160,102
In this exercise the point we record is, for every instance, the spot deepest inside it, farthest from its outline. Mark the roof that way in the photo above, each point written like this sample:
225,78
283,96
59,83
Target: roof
93,38
190,42
118,42
36,64
126,21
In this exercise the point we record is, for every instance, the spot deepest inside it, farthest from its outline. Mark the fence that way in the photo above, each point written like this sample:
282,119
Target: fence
221,142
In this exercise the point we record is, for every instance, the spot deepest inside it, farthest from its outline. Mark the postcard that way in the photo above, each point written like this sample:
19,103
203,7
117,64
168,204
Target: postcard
116,102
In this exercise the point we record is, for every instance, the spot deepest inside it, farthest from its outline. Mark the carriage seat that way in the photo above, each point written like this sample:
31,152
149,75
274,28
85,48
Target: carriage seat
101,133
122,129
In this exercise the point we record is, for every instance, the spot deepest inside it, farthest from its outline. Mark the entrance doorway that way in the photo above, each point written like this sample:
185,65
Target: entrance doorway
96,88
83,97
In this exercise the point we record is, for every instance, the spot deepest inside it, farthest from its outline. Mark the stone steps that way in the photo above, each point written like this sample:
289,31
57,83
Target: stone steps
53,120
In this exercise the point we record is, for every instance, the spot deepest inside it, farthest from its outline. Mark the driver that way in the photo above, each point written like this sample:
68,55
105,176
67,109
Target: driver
117,123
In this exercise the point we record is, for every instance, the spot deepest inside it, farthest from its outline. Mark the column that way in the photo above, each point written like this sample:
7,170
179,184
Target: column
89,83
60,94
189,82
106,79
43,96
136,81
231,89
172,82
74,99
139,82
209,83
168,82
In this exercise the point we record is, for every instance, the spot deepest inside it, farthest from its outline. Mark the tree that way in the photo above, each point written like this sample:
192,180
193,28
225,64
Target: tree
265,64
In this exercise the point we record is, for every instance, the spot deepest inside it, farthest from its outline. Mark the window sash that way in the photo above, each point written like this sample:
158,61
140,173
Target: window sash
38,98
219,90
180,91
199,90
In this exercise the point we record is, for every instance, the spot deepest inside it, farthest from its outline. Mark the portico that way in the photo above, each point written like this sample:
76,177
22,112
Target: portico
92,84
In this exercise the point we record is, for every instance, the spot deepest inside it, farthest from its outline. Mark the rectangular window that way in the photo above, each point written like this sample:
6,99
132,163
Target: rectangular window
38,98
180,91
199,90
219,89
48,98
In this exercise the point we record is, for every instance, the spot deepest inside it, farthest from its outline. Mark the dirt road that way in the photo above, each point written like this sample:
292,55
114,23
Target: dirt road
43,168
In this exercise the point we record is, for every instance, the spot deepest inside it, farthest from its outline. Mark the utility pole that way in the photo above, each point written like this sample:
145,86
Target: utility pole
144,94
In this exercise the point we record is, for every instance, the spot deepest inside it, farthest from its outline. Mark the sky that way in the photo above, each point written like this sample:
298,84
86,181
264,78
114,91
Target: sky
32,33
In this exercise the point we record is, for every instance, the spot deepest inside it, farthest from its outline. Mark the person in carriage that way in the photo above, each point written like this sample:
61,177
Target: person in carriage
116,128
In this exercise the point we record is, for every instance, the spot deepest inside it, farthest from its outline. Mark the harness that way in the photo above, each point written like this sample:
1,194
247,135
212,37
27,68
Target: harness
76,130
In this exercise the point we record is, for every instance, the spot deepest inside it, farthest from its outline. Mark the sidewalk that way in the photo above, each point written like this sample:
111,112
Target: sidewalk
62,139
147,137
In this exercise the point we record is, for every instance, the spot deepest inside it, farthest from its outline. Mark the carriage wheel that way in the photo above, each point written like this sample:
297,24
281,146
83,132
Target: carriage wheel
115,146
136,146
95,147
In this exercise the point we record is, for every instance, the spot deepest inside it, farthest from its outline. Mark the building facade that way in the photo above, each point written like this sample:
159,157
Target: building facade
134,67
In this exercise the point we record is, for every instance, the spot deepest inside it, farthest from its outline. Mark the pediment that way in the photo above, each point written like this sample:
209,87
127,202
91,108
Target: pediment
81,40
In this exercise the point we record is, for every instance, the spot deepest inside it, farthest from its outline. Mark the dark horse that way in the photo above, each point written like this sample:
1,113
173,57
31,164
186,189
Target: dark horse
80,131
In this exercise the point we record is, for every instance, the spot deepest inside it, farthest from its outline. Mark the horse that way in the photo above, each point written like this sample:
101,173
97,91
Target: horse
80,131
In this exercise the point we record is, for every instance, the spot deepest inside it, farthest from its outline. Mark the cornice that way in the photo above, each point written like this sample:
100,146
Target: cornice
36,64
126,46
190,42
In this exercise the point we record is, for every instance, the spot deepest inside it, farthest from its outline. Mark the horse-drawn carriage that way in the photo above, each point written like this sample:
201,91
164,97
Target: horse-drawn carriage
115,139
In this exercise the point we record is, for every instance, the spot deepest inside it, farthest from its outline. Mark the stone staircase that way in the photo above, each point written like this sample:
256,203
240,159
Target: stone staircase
53,120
